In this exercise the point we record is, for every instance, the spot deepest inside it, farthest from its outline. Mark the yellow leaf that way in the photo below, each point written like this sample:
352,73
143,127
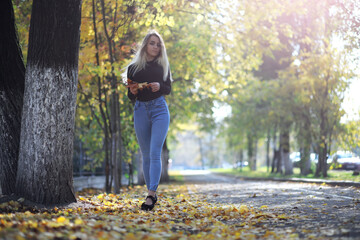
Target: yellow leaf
244,209
60,219
20,237
130,236
79,221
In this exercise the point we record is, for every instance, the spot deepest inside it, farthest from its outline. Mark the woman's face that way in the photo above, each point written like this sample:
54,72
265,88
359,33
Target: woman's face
153,47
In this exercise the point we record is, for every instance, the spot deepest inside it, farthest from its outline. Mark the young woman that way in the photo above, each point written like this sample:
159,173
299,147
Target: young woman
150,79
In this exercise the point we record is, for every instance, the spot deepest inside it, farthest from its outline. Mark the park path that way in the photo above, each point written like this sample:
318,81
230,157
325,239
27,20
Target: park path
314,210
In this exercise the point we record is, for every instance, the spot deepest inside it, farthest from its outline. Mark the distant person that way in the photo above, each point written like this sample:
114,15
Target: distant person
149,79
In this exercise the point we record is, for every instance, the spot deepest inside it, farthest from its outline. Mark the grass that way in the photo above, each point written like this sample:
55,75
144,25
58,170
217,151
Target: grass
262,173
176,176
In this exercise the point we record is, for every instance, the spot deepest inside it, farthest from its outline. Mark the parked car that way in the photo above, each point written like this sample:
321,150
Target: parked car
296,157
345,160
239,165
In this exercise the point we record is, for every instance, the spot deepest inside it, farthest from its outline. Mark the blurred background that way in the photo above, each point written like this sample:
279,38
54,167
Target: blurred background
258,84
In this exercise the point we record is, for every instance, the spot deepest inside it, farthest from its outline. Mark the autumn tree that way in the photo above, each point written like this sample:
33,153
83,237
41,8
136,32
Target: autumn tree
12,79
46,143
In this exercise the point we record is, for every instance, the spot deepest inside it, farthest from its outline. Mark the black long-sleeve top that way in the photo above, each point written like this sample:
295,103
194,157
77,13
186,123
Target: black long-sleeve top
153,72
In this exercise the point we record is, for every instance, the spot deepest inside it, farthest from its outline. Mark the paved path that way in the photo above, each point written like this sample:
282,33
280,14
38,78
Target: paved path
319,211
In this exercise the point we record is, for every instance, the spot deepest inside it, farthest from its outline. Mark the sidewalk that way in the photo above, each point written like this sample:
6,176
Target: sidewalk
96,182
293,208
342,183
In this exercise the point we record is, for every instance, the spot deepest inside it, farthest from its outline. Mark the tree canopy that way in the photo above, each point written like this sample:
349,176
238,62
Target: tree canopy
277,64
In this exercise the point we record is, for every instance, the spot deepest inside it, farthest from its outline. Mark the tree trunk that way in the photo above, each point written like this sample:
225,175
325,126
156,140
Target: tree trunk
250,150
305,161
12,80
322,142
101,108
201,154
275,152
254,167
279,161
46,145
322,148
268,139
241,159
285,149
165,163
113,103
140,175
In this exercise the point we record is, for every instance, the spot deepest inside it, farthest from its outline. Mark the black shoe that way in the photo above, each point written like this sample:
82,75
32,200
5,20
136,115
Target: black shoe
149,207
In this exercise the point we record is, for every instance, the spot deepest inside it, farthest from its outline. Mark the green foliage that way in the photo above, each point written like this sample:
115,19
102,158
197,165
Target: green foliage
273,62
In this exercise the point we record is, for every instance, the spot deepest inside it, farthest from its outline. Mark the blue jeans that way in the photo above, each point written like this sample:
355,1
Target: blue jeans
151,121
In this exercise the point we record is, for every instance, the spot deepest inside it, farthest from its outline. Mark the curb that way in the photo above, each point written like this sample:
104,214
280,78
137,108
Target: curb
343,183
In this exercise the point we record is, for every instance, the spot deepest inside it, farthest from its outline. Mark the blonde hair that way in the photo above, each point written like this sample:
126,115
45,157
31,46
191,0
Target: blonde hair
139,61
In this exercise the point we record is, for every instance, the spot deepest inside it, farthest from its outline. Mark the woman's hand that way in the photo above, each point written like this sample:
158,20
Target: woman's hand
133,88
155,86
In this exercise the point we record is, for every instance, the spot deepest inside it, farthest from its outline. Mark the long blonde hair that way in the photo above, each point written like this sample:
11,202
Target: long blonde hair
139,61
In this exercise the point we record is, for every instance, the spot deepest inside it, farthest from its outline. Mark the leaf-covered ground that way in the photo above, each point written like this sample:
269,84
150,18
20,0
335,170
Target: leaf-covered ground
180,214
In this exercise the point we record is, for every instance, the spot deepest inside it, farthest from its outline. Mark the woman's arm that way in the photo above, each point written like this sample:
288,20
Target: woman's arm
130,95
165,87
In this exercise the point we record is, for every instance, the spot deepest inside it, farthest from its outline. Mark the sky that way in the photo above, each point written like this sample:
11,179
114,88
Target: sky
351,103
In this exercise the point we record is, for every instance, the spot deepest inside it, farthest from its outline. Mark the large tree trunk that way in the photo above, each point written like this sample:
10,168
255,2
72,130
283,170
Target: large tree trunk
12,79
46,146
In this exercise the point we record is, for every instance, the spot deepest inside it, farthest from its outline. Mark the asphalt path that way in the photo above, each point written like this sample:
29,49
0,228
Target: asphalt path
315,210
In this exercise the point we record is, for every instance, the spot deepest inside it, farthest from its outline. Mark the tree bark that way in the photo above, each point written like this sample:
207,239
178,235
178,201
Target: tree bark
268,139
275,152
254,166
165,163
285,149
139,167
105,127
12,81
46,145
114,99
279,161
202,160
251,152
305,161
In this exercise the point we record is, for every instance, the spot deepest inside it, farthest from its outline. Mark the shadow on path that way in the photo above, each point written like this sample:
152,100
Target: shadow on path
322,210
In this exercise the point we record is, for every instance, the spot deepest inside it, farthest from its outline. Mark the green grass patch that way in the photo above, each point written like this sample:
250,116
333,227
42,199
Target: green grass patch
176,176
263,173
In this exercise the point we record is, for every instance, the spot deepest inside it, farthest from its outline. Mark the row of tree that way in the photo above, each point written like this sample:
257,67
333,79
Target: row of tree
297,82
274,62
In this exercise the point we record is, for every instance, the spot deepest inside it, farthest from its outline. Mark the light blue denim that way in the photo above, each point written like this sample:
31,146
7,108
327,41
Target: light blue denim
151,121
